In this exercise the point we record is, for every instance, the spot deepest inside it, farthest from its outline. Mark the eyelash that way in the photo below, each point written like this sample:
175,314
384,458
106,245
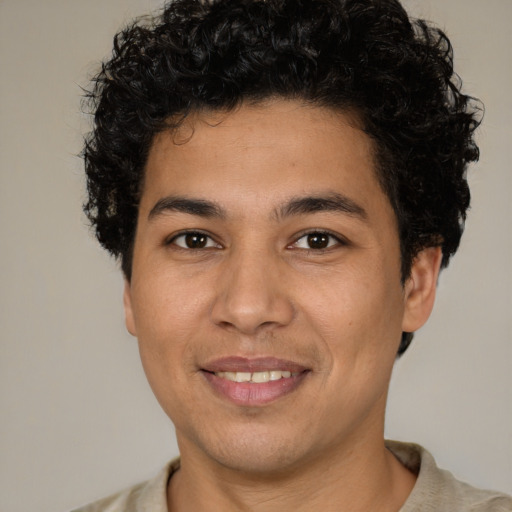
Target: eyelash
339,241
172,240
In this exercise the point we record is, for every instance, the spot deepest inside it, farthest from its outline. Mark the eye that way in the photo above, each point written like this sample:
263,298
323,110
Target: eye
193,240
317,240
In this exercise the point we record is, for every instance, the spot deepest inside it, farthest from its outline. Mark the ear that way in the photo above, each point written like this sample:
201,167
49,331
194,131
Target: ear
128,310
420,288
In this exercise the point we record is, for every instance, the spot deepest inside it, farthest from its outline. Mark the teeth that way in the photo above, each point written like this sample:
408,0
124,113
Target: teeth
255,376
260,377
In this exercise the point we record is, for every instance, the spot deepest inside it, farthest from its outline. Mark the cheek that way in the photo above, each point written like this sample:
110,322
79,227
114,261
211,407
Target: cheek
357,311
166,323
168,303
167,314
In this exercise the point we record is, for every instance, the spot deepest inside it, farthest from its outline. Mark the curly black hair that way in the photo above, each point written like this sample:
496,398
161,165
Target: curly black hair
365,56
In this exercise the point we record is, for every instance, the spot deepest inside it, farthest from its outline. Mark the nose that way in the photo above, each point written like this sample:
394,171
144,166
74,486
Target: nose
252,294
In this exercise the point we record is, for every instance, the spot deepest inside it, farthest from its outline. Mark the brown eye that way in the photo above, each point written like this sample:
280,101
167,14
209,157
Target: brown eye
318,240
194,240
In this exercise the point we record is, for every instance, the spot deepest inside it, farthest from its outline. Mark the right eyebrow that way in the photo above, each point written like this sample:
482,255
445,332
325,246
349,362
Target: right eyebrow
332,202
199,207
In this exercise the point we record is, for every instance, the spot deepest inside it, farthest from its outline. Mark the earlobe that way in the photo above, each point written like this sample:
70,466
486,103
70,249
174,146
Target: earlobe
128,311
420,288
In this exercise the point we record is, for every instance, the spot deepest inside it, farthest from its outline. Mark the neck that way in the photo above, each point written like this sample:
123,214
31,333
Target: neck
363,477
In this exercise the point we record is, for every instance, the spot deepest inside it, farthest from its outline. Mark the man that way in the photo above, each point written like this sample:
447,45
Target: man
282,182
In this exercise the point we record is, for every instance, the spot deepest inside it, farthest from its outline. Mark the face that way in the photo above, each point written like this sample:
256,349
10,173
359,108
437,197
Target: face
266,292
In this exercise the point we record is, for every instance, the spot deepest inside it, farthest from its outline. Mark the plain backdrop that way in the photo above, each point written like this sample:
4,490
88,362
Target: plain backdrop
77,418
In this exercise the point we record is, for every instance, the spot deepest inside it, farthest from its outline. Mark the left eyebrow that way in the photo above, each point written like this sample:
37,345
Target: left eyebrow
199,207
329,203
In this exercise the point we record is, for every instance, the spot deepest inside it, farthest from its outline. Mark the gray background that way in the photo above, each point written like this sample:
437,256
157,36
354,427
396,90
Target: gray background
78,420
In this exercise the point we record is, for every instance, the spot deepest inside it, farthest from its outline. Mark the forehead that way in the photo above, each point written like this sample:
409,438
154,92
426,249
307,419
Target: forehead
259,155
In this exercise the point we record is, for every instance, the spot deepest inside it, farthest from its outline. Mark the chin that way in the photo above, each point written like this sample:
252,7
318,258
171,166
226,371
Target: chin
263,462
257,452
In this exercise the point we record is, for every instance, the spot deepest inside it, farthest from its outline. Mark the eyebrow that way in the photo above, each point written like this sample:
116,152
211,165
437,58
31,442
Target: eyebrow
332,202
199,207
329,203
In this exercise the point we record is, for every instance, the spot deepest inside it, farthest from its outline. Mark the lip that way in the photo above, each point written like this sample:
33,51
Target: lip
251,394
258,364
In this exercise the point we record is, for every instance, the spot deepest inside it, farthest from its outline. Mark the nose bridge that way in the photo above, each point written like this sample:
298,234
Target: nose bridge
250,292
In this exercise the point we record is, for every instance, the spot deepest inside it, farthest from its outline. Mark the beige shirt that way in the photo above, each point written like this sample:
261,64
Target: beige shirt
435,490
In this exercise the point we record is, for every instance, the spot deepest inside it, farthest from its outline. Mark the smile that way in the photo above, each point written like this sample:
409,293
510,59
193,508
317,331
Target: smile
253,382
256,377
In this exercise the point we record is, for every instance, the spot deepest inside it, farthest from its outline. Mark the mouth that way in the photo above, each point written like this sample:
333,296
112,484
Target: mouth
253,382
257,377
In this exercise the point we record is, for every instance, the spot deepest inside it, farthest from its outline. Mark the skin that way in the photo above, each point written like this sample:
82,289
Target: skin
258,289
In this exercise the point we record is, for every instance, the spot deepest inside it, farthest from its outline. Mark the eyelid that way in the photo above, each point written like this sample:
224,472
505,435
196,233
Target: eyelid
340,240
170,240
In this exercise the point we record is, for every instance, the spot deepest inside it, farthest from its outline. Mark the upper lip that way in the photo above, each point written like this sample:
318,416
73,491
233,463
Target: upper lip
250,365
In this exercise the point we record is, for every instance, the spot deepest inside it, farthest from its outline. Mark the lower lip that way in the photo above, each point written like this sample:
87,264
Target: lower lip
252,394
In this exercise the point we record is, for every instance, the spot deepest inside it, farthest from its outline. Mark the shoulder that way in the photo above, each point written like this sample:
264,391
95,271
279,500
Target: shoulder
146,496
123,501
438,490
